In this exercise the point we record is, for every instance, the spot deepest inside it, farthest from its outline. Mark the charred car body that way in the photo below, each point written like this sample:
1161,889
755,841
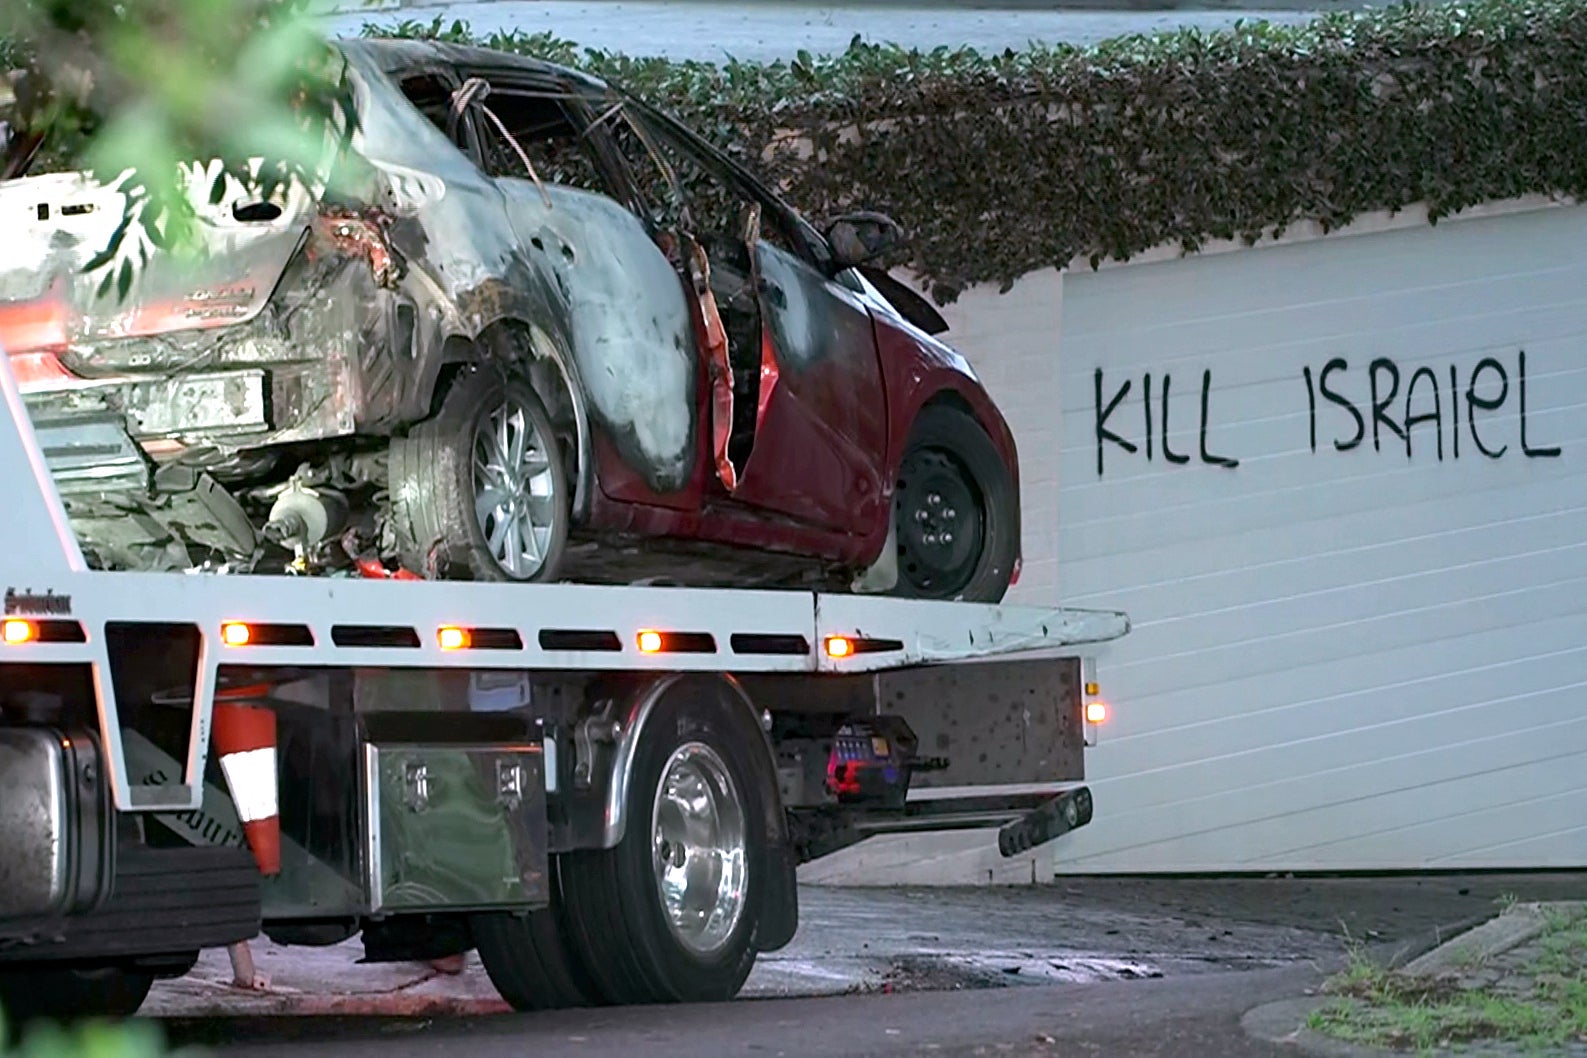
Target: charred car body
560,337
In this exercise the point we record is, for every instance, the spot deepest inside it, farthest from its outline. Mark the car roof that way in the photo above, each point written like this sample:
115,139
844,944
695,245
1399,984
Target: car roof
392,54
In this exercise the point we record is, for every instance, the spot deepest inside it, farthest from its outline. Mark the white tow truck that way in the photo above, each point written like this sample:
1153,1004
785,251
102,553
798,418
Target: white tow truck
604,790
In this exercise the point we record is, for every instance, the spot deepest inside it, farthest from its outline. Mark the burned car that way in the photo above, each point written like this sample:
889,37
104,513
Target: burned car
562,337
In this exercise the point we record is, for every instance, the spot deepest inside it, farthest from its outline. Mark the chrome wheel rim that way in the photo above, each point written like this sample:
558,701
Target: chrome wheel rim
514,490
698,845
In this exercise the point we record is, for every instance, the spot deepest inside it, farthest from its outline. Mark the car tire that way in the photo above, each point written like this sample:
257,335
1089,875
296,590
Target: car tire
491,439
671,913
70,993
955,512
529,959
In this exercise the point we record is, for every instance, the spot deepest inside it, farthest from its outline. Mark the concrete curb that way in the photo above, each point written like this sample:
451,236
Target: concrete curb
1284,1022
1513,927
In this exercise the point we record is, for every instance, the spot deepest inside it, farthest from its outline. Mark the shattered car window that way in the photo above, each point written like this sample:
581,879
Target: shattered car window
542,130
432,97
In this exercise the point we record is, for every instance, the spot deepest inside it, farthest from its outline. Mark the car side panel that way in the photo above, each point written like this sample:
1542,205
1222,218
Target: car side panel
821,447
918,370
627,323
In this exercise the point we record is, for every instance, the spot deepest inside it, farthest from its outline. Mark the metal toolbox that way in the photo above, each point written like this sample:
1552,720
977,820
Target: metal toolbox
57,825
454,827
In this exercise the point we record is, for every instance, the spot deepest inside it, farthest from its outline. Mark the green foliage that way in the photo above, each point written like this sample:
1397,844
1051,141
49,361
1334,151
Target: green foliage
132,1039
999,165
1382,1008
138,91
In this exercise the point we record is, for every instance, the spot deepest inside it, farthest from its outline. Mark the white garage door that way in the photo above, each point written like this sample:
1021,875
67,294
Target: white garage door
1339,485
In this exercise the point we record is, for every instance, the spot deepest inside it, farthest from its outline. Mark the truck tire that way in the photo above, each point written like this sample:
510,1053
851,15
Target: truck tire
481,486
955,512
670,913
528,959
66,993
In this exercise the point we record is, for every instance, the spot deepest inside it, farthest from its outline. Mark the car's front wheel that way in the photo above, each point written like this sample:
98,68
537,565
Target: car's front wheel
480,490
955,512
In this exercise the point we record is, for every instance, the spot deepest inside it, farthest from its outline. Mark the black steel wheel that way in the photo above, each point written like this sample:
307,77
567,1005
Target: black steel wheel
480,490
955,512
671,913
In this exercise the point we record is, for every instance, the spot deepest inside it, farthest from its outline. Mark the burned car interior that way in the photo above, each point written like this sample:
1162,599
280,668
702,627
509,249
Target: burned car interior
559,337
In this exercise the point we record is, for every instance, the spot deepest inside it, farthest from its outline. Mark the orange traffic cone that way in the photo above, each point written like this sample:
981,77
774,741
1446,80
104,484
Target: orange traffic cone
243,733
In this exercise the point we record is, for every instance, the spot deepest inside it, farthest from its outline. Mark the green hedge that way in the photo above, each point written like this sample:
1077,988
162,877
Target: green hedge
999,165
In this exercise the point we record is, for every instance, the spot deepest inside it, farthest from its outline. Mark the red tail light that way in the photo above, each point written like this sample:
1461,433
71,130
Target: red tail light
29,326
31,333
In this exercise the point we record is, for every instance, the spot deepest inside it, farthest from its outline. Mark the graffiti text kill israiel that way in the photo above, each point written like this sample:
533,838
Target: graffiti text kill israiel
1444,411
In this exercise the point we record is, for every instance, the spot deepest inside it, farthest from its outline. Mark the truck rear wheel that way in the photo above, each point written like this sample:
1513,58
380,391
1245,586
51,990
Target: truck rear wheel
529,960
62,994
670,914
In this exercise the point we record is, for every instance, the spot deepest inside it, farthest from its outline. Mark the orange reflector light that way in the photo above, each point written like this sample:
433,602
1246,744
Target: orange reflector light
236,634
650,642
18,632
453,638
1096,712
1092,690
839,647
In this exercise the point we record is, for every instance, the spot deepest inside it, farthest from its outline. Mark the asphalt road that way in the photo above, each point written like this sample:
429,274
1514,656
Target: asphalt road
1218,948
1189,1016
715,31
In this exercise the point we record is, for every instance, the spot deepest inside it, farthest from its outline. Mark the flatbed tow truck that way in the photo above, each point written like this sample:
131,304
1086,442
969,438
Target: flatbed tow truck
606,791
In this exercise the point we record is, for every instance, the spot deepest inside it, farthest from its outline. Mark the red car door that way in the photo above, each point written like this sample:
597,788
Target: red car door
812,448
820,441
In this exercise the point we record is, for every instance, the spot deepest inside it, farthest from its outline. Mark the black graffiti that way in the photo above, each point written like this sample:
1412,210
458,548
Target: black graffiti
1155,415
1397,413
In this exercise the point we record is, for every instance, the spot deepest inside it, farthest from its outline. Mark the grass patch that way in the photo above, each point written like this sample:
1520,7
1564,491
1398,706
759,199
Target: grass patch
1374,1006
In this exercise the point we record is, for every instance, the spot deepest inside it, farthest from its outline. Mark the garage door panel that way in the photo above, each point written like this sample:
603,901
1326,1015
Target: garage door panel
1335,652
1441,533
1362,731
1449,811
1277,635
1417,328
1265,280
1273,813
1254,618
1420,677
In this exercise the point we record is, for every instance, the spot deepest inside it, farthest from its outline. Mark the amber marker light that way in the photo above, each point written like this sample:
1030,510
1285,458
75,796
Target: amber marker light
650,642
1096,712
236,634
453,638
839,647
17,632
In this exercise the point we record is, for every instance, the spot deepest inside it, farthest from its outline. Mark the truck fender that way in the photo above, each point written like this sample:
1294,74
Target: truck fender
632,718
778,917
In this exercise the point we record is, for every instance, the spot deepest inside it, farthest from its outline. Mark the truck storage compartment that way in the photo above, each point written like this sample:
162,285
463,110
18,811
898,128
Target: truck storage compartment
454,827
